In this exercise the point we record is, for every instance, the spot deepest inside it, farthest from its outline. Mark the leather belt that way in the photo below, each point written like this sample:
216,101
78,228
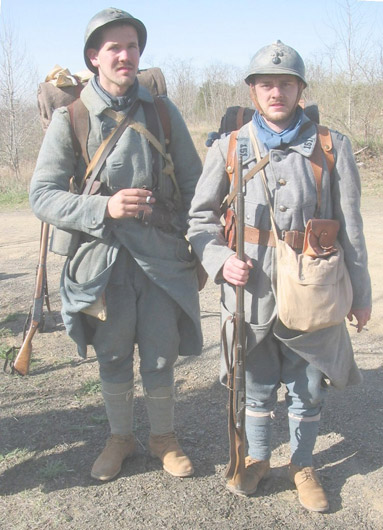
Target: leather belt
293,238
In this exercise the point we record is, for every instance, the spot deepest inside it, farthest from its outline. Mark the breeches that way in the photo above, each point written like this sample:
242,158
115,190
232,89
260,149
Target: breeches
271,363
138,312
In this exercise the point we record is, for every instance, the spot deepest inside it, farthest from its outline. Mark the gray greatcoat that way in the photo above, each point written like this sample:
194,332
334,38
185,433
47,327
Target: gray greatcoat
164,257
292,185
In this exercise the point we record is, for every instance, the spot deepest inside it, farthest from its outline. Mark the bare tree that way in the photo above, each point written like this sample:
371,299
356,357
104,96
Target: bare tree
346,81
181,79
18,82
222,87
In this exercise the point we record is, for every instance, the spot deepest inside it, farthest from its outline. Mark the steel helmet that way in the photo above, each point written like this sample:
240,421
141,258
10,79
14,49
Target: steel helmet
108,16
277,58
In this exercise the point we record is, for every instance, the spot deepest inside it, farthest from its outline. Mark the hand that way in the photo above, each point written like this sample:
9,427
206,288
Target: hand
129,203
362,316
236,271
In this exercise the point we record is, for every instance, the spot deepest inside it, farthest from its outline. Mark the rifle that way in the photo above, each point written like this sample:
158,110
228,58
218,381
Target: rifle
36,315
235,471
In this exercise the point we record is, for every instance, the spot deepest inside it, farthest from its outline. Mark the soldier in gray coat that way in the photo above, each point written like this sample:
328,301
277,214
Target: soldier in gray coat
275,354
131,278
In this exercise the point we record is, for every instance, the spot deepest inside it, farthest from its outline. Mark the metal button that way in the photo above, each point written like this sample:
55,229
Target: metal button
282,182
282,208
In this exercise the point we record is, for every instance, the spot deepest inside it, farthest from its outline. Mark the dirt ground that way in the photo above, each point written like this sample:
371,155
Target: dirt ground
53,425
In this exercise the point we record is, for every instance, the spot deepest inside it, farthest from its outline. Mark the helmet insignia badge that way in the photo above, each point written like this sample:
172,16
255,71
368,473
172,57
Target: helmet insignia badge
276,57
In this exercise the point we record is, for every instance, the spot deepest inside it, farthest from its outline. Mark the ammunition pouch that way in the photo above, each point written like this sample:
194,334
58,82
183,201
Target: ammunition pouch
64,242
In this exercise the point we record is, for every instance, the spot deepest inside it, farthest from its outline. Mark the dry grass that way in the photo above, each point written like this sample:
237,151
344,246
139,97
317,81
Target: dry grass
199,134
14,193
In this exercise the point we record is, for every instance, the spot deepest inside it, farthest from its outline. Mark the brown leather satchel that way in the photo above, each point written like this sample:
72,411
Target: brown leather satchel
320,237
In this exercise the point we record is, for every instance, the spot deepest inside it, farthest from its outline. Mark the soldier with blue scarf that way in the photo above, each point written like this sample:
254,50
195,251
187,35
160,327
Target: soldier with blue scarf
276,355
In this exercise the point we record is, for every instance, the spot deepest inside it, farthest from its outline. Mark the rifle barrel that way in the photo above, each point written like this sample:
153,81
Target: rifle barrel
239,379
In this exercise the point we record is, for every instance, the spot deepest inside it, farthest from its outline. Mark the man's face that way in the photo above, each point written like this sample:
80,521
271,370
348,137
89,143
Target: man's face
117,58
277,95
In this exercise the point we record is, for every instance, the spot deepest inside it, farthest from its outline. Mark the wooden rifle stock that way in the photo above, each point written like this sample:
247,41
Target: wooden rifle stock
23,358
235,471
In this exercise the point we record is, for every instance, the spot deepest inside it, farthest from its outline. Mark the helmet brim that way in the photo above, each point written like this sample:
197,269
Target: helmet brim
271,71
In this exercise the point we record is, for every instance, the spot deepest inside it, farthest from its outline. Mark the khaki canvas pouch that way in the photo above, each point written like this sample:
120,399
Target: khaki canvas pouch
312,293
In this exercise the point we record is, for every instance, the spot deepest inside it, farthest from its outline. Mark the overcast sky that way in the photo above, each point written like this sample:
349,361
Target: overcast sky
201,31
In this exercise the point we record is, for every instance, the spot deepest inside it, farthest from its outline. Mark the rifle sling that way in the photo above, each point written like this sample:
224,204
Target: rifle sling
258,166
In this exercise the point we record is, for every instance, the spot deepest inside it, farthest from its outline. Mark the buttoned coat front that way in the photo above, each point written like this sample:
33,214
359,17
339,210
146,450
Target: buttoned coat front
164,257
291,183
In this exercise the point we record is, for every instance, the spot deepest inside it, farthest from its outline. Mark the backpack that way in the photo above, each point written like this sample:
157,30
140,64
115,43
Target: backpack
235,117
63,89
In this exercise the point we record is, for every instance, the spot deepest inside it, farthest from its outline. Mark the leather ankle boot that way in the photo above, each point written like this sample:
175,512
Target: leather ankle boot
109,463
310,492
255,471
167,449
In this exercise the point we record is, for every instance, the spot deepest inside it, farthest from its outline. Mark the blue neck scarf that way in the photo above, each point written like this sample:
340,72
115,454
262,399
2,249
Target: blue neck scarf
272,139
116,102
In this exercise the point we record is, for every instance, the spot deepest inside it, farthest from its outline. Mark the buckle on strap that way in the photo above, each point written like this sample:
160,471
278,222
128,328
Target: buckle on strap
293,238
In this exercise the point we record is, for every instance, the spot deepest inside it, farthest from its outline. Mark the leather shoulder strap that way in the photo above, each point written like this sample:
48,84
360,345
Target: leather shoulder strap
231,158
163,113
322,146
79,119
326,144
